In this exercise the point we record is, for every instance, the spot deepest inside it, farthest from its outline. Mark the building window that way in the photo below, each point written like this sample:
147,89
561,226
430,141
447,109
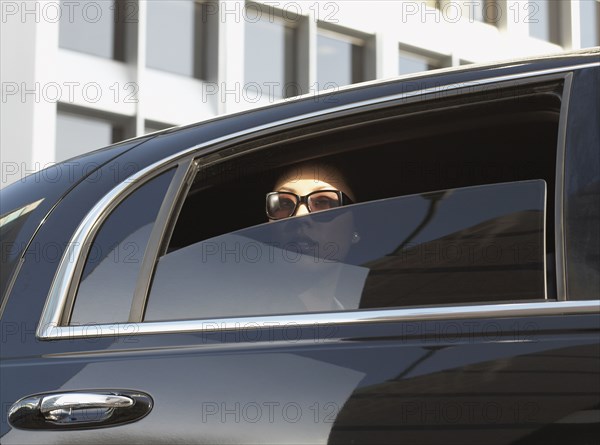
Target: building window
181,37
590,19
543,18
414,62
77,134
95,28
270,49
340,59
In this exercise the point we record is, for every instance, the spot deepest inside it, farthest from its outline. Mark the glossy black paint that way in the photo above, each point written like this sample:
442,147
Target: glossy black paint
582,187
514,380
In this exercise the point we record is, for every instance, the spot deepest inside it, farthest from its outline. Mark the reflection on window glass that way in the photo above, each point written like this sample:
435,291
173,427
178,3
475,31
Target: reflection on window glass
270,57
89,27
475,244
10,226
77,134
590,20
116,256
339,62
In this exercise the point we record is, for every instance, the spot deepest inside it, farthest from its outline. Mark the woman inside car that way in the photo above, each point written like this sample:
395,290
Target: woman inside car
306,188
304,202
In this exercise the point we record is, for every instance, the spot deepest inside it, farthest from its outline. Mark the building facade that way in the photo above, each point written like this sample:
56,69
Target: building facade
79,75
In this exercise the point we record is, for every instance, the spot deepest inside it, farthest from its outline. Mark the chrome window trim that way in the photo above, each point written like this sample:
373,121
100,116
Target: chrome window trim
522,309
559,194
59,290
172,200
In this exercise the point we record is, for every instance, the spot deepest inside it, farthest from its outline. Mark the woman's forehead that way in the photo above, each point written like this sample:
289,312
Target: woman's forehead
312,176
302,186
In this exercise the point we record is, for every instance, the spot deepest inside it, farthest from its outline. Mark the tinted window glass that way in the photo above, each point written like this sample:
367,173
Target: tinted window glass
482,243
116,256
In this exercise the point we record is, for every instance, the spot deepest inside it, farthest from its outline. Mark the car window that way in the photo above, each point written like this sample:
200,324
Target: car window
464,245
112,267
450,207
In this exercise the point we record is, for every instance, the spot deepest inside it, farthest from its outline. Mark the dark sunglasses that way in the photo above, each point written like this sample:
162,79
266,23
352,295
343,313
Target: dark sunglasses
284,204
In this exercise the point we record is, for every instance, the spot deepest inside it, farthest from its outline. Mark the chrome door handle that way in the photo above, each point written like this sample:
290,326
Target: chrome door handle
79,409
60,407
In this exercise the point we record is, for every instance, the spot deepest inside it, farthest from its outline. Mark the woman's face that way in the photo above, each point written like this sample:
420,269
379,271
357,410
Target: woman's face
308,179
326,239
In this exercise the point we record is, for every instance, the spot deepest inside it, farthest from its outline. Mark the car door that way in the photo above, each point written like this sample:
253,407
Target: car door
480,350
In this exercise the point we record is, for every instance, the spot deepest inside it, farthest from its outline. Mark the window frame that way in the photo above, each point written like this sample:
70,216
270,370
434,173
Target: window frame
52,322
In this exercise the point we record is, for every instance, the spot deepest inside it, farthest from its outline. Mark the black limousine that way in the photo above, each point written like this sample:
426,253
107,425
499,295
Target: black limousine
172,289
